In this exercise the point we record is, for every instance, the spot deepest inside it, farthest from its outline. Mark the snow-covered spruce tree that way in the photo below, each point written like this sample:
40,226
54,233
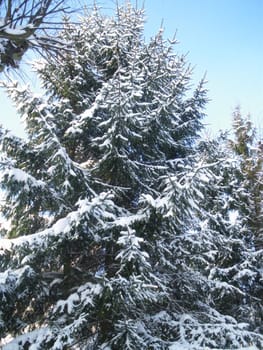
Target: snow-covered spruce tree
214,272
247,150
234,268
103,198
250,153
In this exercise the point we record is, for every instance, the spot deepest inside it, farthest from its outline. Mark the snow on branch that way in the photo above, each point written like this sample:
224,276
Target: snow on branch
28,24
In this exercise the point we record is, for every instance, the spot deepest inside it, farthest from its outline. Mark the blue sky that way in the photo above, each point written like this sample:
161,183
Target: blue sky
223,38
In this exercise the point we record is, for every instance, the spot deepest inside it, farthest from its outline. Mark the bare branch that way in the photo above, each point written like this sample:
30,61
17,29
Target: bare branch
24,20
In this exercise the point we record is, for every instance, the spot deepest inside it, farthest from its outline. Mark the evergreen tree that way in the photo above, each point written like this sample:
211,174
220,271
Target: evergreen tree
250,152
234,264
108,247
213,269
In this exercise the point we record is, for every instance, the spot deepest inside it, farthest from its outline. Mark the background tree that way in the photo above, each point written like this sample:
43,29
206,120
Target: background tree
235,267
247,149
250,153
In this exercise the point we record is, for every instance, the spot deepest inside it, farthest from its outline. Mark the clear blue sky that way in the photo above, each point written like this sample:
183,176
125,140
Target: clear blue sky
223,38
